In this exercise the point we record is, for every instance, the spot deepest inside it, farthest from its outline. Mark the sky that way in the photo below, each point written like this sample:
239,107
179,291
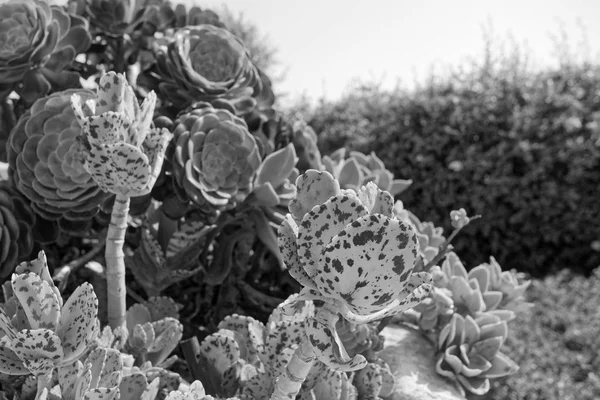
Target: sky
325,44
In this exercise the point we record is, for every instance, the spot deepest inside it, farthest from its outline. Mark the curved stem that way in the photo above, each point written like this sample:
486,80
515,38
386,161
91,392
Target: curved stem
43,382
289,382
115,262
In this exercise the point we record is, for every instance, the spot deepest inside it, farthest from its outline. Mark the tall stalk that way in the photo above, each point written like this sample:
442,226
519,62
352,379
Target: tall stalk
290,381
115,262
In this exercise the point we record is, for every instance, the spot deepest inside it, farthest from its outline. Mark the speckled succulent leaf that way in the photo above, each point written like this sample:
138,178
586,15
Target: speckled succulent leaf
313,188
368,381
83,382
177,395
368,263
319,226
39,266
282,335
144,118
102,394
329,385
141,337
10,363
276,167
168,334
220,350
39,349
119,168
327,345
252,331
161,307
77,325
132,386
110,380
108,128
38,300
111,93
6,327
414,292
293,309
67,379
137,314
287,238
388,381
155,146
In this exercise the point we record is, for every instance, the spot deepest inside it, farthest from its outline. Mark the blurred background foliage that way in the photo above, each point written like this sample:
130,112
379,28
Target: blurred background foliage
518,145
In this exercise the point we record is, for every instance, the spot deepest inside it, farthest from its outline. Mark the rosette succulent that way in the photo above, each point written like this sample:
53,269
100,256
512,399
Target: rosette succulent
37,44
357,169
117,17
46,162
469,352
214,157
202,62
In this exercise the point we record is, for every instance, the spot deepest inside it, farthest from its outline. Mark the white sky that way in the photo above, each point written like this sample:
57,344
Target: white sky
326,43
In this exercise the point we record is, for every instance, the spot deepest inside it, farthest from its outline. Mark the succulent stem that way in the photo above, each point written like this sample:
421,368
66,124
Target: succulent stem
289,382
43,382
115,262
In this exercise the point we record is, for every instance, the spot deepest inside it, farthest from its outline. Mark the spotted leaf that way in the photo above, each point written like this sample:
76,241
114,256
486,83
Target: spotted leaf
250,331
220,350
6,327
368,381
329,385
376,200
287,239
107,128
321,224
328,347
77,326
368,264
39,349
38,300
313,188
10,363
102,394
67,378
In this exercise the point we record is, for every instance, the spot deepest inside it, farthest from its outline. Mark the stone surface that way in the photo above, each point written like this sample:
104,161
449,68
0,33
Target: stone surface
412,360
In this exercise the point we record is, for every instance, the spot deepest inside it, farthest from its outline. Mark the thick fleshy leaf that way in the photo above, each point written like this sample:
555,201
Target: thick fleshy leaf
329,385
78,321
137,314
132,386
320,225
161,307
107,128
368,381
287,235
67,379
399,185
10,363
368,264
388,381
102,394
220,350
476,385
313,188
276,167
251,331
350,175
168,333
6,327
376,200
488,348
328,347
482,274
39,349
38,300
501,366
150,393
492,299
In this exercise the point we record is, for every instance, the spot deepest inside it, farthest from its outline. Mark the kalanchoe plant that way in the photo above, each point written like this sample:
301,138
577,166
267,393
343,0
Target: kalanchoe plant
39,333
348,251
124,155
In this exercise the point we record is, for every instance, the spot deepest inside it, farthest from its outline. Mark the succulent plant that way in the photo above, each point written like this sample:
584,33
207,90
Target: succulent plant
46,163
435,310
273,185
153,335
168,254
123,153
115,17
305,143
358,169
202,62
374,381
17,222
38,42
214,157
469,351
194,392
38,332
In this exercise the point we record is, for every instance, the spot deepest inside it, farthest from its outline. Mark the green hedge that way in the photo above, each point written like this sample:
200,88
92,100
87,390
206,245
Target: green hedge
523,151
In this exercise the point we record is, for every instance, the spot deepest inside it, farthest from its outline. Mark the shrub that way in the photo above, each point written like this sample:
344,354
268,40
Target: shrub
522,150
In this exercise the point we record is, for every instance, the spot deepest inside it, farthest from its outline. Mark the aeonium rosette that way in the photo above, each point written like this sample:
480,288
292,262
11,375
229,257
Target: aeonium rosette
348,251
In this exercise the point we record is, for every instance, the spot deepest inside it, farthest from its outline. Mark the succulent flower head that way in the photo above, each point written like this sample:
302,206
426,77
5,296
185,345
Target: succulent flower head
124,153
